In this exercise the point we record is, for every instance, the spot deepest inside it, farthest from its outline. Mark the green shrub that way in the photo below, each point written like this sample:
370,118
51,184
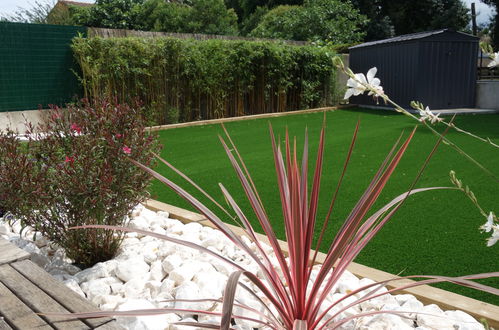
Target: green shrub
206,79
77,173
325,20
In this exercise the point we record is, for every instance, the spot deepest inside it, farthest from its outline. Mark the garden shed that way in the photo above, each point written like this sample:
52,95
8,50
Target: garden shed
437,68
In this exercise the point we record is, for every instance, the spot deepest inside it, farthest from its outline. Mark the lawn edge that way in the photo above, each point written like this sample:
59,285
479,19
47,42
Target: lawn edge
426,294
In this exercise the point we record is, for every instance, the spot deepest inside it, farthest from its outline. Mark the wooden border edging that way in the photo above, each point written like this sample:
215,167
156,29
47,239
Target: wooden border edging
426,294
249,117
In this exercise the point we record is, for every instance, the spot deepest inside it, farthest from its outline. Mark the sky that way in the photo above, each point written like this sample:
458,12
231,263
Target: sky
483,11
9,7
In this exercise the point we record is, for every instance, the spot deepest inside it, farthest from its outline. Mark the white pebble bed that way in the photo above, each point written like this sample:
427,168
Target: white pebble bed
148,271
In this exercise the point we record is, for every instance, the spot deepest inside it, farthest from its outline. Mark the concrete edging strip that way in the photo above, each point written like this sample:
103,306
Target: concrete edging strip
428,295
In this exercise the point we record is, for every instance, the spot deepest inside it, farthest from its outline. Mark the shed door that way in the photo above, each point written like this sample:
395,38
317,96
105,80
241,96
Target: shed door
448,74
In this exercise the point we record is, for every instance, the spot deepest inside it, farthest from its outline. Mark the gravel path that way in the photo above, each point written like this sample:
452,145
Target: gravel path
148,272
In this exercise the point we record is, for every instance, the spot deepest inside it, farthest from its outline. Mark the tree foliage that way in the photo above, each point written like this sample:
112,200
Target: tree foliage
196,16
380,25
494,24
410,16
115,14
326,20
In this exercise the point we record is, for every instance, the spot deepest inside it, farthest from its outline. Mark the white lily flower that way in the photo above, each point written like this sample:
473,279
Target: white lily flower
427,114
360,84
354,86
495,60
487,227
374,83
495,236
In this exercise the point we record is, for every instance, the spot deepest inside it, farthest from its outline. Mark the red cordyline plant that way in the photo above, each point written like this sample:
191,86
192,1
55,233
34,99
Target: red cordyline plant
298,301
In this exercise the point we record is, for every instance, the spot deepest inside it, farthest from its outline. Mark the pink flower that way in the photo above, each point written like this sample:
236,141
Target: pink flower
76,128
69,159
118,135
127,150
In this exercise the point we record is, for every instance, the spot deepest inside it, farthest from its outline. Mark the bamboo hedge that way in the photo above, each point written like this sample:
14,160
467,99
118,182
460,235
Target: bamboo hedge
185,80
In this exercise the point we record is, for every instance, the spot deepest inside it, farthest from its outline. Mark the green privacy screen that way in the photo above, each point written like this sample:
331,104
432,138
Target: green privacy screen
35,65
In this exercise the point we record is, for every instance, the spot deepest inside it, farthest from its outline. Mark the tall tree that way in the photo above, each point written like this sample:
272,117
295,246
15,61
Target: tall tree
409,16
199,16
317,20
115,14
380,25
245,8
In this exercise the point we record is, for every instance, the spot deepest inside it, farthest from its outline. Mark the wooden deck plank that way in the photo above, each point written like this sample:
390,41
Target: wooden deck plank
18,314
59,292
10,252
36,299
4,325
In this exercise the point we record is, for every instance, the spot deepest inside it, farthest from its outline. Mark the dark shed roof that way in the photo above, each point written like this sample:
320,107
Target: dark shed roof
430,35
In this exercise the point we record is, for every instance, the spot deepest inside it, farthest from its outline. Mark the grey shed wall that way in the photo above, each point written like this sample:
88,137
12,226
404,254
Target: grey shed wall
439,69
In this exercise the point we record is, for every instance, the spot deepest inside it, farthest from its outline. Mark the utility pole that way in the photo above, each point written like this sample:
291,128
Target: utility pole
473,19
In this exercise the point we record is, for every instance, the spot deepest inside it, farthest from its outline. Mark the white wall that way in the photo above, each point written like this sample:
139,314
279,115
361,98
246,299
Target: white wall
16,119
487,94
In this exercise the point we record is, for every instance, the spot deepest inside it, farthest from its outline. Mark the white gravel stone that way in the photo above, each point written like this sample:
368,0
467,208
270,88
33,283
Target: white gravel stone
384,322
31,248
130,268
189,290
348,283
149,273
463,321
110,302
156,272
185,272
73,285
134,288
432,316
40,240
171,262
167,285
96,288
5,229
211,283
177,228
402,298
116,288
99,270
412,305
139,223
152,288
165,215
156,322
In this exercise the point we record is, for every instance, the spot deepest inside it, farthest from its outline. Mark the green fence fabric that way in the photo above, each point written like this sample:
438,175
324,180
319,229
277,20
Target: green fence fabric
35,65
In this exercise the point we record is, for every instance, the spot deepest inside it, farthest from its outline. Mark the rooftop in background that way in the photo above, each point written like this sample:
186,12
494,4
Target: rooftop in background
412,36
75,3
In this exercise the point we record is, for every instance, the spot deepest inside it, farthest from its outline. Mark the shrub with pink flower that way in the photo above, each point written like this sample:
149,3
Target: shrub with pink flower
79,175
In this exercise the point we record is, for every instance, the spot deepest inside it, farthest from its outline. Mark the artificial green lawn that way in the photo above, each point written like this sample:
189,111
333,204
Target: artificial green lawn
434,233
